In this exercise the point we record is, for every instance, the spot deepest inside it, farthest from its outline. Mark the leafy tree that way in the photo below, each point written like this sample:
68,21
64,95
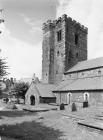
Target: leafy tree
21,89
3,68
3,72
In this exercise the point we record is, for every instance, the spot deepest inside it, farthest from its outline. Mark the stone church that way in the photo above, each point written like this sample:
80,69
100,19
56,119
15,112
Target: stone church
65,64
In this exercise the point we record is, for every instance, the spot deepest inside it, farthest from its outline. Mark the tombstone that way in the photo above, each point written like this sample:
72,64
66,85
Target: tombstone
85,104
62,106
74,108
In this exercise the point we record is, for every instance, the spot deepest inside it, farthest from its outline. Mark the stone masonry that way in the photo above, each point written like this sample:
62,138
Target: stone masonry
64,44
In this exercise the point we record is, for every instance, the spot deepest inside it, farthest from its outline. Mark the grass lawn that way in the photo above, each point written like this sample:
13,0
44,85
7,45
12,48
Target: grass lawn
30,131
16,113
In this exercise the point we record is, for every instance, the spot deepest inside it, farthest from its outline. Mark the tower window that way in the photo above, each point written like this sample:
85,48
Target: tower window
59,35
77,55
76,39
57,53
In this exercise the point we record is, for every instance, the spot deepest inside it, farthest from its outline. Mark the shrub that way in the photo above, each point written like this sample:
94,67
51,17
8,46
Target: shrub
11,106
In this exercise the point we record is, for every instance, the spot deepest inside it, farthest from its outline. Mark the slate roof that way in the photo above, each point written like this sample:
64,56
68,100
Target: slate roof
94,83
88,64
43,90
62,84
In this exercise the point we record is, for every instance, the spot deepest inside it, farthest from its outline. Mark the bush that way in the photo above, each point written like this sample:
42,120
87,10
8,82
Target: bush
74,108
62,106
11,106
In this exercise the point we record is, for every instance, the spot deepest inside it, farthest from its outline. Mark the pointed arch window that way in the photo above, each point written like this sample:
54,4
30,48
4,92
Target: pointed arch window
69,95
86,96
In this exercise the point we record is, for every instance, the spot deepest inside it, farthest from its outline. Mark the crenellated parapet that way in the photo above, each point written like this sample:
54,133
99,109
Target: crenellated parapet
53,23
82,27
48,25
75,23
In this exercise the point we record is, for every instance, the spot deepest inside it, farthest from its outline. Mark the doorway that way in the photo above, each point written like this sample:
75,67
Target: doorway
32,100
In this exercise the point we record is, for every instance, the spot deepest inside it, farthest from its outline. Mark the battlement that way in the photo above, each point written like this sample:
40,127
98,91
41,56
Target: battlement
80,25
54,23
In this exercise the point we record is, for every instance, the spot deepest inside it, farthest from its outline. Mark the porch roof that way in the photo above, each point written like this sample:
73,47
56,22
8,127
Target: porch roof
63,84
45,90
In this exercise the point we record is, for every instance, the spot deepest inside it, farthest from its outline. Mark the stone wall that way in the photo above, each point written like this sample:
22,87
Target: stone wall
59,56
32,91
95,97
48,53
76,43
85,74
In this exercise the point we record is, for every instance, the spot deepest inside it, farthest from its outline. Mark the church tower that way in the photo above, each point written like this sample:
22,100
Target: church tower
64,44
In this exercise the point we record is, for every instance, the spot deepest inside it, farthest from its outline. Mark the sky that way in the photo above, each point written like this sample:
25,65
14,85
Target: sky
21,38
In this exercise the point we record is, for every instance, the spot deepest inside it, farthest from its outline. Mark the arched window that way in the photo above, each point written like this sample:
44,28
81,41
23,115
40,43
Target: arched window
69,95
99,72
86,96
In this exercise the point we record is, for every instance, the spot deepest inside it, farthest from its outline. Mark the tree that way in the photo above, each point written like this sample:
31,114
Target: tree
21,89
3,68
3,72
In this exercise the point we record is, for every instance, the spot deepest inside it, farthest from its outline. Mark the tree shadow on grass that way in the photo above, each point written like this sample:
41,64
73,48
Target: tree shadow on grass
16,113
30,131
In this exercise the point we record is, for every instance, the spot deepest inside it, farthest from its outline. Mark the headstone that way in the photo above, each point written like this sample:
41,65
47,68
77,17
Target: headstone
74,108
62,106
85,104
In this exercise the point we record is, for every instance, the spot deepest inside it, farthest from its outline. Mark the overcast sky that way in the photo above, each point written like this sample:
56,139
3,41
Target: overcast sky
21,38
